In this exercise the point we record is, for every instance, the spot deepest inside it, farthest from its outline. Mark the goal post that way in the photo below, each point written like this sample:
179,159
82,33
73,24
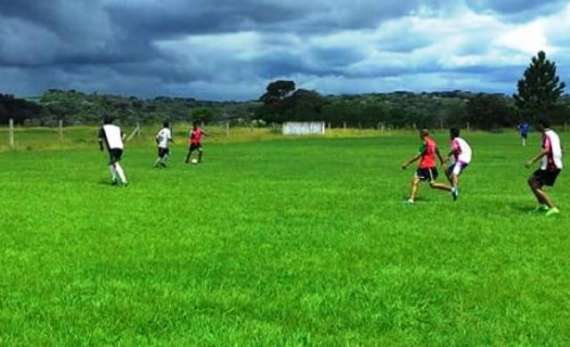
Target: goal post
304,128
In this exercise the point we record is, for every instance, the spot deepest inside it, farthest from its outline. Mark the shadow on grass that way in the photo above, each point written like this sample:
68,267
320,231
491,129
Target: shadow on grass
104,182
526,209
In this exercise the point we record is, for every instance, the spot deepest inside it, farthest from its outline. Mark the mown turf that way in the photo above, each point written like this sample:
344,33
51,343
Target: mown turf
280,243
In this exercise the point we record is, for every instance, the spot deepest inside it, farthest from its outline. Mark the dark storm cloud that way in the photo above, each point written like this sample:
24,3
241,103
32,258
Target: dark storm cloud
150,47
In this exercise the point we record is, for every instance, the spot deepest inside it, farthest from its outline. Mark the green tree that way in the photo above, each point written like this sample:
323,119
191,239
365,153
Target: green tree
540,88
489,112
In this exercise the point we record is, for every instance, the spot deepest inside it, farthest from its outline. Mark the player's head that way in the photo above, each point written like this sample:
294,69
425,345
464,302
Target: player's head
454,132
195,124
107,119
542,124
424,133
166,124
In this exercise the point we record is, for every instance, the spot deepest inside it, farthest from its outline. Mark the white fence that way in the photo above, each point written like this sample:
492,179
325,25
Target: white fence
304,128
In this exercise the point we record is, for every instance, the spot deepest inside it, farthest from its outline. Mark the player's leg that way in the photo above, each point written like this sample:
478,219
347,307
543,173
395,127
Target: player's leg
159,159
164,160
200,153
114,176
440,186
164,156
189,155
121,173
454,174
415,186
117,155
536,185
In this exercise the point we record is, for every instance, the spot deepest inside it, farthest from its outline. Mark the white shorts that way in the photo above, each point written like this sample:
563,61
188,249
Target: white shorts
457,169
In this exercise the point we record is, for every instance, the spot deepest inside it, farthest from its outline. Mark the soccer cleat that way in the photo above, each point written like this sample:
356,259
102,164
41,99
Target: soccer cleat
455,194
410,202
552,212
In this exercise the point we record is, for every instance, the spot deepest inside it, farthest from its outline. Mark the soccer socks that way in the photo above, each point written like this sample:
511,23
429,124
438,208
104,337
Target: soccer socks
121,173
164,160
113,173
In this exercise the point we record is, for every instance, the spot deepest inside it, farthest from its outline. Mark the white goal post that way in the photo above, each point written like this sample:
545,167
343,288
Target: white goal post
304,128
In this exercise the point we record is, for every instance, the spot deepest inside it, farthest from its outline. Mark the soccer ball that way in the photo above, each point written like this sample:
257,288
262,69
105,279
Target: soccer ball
194,161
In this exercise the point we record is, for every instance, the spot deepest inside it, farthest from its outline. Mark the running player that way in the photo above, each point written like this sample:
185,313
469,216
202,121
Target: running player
523,130
460,158
427,170
163,139
195,142
112,136
546,175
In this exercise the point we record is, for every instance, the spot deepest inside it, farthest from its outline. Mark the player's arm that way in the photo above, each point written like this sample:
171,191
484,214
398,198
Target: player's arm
455,151
100,139
536,158
411,161
441,160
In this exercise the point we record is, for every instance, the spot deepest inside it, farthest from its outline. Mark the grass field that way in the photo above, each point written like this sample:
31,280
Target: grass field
280,243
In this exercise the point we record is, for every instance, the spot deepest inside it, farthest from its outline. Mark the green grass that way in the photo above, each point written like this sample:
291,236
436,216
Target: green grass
281,242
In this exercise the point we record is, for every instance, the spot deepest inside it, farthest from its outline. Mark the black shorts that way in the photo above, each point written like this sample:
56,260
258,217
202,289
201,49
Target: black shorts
162,152
546,177
115,155
427,175
196,147
524,136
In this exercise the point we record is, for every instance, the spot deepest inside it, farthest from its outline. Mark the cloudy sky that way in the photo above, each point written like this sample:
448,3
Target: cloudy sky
231,49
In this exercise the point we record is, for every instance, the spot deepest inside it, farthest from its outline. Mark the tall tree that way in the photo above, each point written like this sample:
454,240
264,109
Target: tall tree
277,91
540,88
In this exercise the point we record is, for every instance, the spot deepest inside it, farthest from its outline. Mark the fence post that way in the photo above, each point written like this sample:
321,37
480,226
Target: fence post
382,128
344,125
228,128
468,126
565,126
61,130
441,124
11,133
139,129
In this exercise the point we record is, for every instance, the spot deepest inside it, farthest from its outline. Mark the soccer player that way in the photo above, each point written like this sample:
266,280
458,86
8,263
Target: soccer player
195,142
163,139
460,158
523,130
113,137
427,170
550,168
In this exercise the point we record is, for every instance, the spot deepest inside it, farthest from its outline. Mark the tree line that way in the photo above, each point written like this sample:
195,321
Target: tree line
539,93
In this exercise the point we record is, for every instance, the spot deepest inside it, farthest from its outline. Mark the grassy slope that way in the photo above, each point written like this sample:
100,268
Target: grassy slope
302,242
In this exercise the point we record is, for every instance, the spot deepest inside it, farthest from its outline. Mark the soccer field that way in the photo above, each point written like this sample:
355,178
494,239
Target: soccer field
303,242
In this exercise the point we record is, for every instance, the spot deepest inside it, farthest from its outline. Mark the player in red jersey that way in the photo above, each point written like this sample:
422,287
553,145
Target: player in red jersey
195,142
427,168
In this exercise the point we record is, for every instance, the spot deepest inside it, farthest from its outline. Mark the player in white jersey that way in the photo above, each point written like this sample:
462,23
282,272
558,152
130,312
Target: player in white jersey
459,157
112,137
550,168
163,139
